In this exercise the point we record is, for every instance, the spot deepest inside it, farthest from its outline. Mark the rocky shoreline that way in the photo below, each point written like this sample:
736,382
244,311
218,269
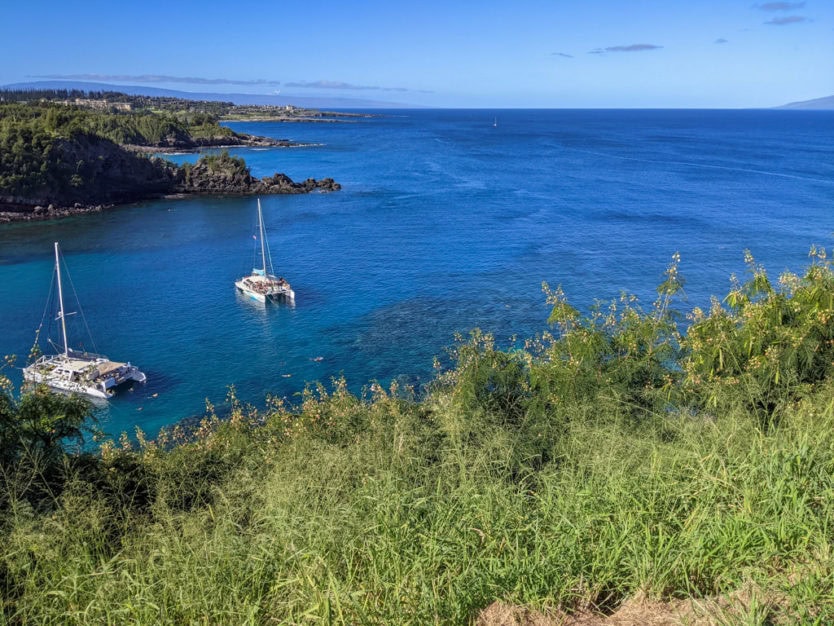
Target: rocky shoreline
222,176
249,141
17,213
277,184
82,172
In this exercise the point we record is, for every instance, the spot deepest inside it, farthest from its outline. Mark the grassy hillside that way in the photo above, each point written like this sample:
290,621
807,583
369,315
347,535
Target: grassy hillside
611,458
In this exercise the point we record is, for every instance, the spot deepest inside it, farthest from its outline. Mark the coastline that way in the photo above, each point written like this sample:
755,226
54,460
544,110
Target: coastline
280,143
278,184
323,117
89,172
290,120
249,141
139,179
40,213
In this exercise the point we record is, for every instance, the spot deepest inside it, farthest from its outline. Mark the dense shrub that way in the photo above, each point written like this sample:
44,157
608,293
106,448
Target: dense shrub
770,346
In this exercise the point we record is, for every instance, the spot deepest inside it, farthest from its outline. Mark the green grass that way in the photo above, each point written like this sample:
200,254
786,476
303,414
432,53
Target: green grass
386,530
495,486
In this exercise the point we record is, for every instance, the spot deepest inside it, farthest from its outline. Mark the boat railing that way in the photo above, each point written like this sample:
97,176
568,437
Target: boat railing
84,355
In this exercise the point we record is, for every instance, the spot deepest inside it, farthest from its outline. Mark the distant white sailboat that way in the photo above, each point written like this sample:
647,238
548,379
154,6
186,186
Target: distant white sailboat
262,285
79,371
495,122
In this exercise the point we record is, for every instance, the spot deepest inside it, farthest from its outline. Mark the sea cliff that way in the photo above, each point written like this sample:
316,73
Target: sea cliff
111,175
57,160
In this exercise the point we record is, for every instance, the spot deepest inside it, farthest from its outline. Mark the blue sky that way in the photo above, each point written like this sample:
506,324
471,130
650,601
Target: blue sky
527,53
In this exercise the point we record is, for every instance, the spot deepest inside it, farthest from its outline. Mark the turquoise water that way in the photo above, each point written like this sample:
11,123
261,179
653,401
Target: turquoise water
444,223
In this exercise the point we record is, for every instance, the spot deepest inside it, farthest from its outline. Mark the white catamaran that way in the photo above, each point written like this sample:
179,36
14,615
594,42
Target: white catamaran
263,285
79,372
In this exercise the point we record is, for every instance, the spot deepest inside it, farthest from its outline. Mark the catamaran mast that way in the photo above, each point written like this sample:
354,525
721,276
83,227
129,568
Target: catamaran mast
261,226
61,301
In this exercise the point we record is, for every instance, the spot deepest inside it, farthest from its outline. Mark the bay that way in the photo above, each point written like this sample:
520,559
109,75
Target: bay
445,223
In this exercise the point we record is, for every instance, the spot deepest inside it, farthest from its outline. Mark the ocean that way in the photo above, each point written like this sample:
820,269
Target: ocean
447,220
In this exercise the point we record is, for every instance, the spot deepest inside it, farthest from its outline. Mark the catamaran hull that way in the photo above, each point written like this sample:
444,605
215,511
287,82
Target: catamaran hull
52,371
258,297
66,385
287,295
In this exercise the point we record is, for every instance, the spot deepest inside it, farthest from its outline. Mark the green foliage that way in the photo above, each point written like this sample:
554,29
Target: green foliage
40,144
143,128
618,355
225,163
35,430
492,382
488,415
769,348
108,101
39,423
610,458
44,420
187,110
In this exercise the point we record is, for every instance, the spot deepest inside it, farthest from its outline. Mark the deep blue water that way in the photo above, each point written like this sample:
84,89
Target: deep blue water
444,223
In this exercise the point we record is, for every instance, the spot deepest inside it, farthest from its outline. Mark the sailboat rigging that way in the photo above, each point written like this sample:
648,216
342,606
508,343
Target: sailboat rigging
78,371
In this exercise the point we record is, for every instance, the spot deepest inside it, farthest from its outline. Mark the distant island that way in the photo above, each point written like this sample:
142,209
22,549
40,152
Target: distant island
64,153
819,104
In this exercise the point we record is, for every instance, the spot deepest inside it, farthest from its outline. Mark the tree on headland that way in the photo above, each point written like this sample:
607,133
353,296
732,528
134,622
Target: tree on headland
58,154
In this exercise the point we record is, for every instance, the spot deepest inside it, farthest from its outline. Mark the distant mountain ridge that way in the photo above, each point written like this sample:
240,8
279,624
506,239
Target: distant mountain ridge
237,98
822,104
